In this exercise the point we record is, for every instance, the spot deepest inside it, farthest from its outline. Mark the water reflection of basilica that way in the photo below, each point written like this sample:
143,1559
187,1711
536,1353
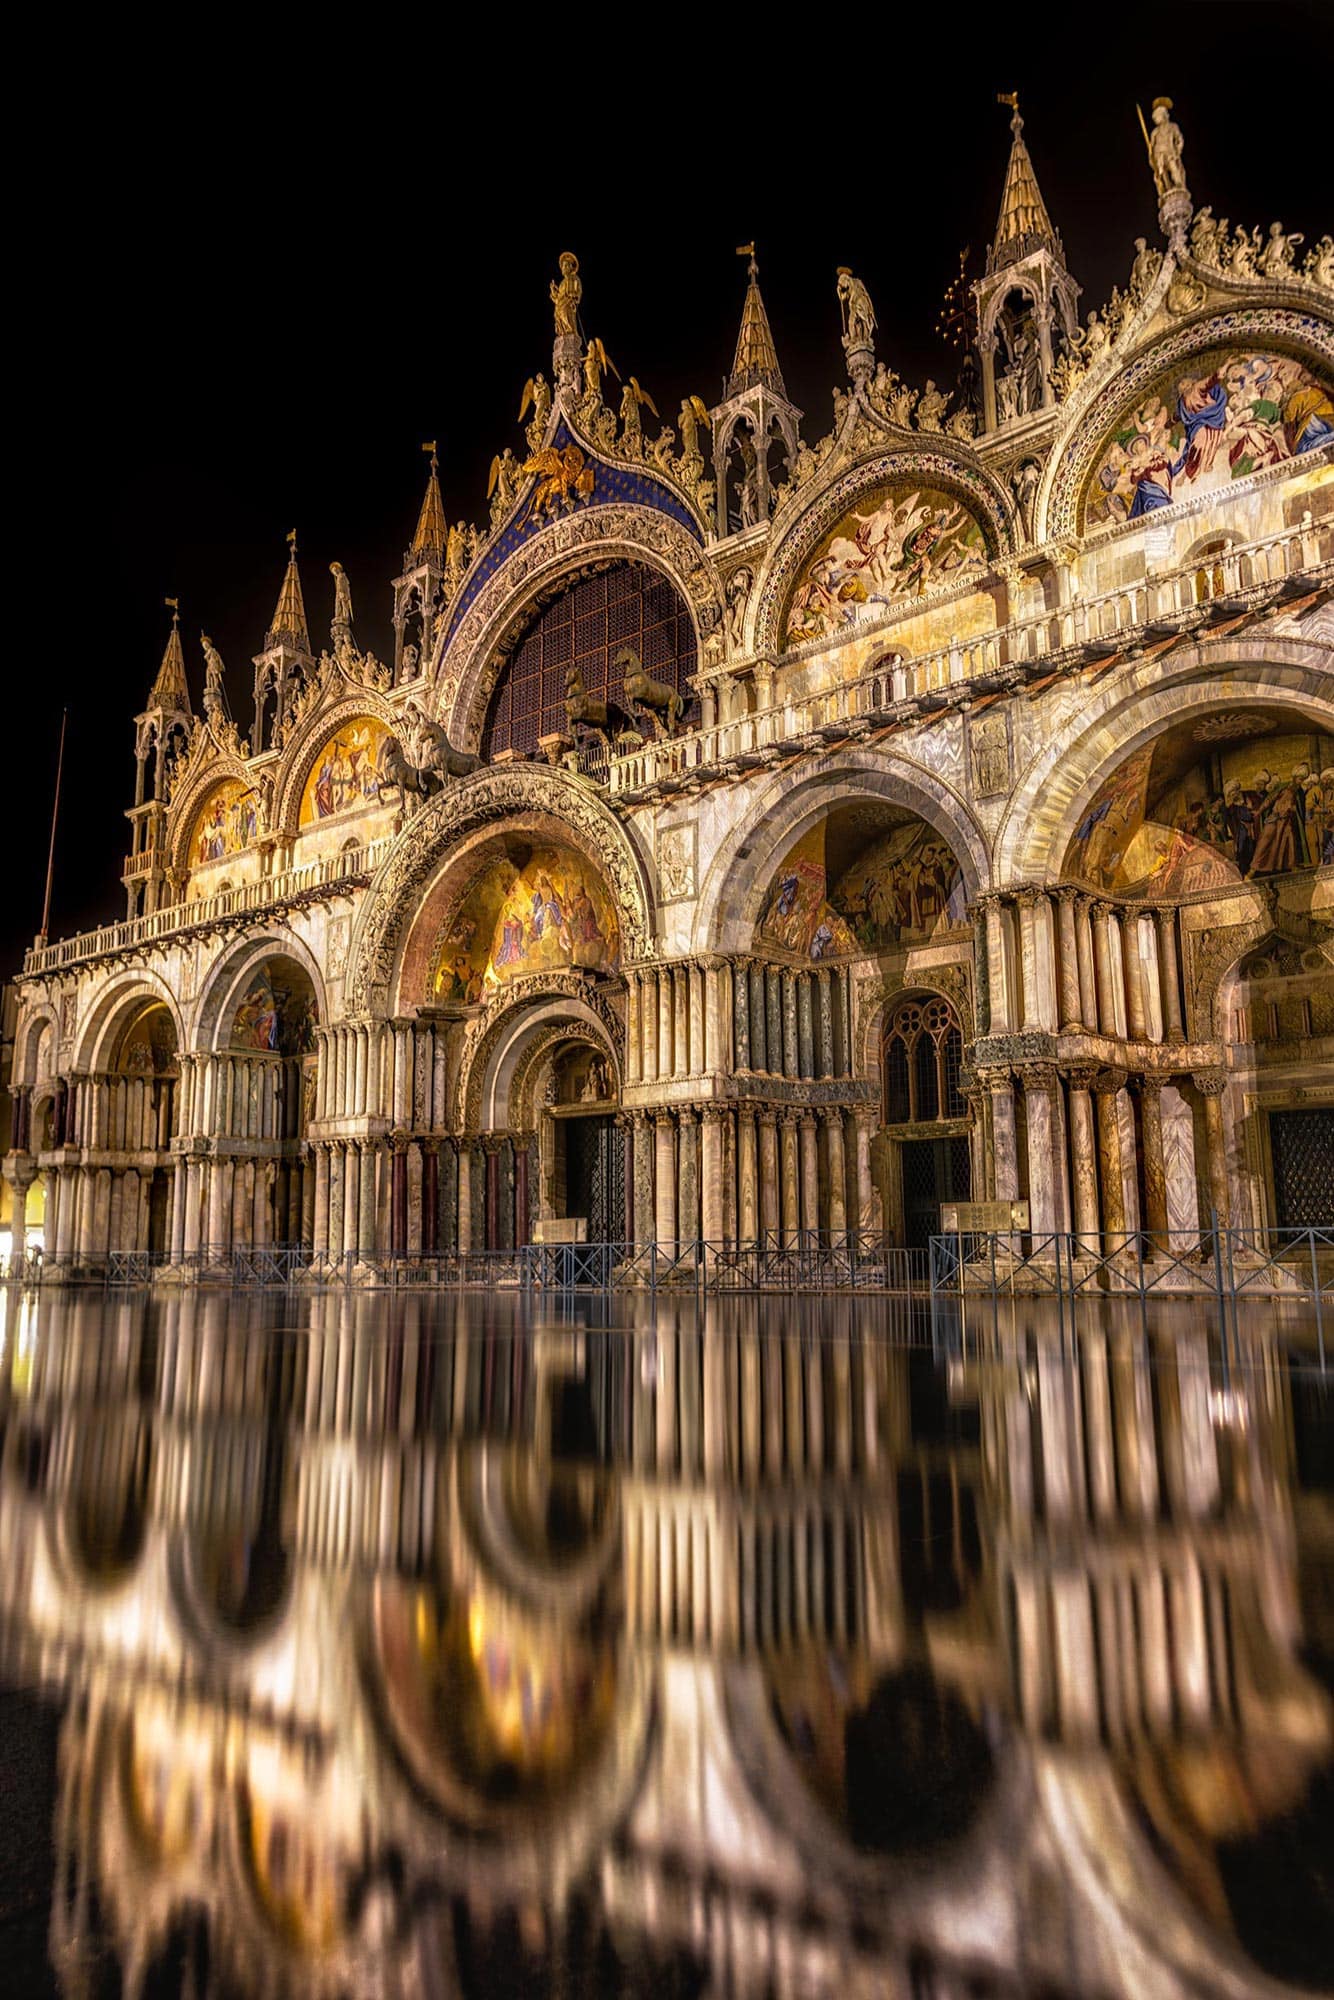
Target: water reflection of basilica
420,1649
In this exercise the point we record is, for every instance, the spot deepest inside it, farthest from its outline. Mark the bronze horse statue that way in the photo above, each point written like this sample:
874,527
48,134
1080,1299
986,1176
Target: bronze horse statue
644,693
606,719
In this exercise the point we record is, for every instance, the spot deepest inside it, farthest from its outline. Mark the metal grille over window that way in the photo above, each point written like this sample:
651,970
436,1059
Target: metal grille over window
586,626
922,1057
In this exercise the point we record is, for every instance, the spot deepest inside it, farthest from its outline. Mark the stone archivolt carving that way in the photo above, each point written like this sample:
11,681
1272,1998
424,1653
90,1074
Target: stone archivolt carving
955,471
501,1013
462,809
467,664
1090,417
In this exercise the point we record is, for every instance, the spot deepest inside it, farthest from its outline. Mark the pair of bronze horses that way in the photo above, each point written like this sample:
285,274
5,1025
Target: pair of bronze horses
646,698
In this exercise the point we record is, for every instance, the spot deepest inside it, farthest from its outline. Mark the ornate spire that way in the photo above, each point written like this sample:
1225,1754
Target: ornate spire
1023,223
432,528
289,620
756,364
171,691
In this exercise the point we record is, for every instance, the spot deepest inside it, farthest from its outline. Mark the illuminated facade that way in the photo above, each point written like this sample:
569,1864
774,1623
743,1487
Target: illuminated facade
751,836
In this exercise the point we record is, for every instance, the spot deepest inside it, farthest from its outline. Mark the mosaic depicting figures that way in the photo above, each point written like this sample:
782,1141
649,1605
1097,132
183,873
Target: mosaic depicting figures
346,772
548,912
898,544
1222,416
1260,806
227,823
277,1014
904,887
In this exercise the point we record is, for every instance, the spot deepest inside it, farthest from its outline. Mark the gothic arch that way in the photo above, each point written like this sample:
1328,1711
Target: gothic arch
877,997
299,756
945,467
468,659
1097,730
487,800
122,996
186,803
1091,411
224,983
734,888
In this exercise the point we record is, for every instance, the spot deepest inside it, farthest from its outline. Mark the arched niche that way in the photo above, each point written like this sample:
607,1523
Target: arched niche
897,543
868,878
531,905
225,824
585,626
274,1011
146,1046
1200,424
1212,801
344,775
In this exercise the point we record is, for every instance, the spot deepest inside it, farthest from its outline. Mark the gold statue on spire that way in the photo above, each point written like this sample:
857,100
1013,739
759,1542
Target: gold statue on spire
566,292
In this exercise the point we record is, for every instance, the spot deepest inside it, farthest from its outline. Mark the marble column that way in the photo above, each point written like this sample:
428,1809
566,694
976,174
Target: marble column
1155,1171
398,1195
838,1174
687,1176
810,1175
768,1173
1027,901
1211,1084
666,1053
680,977
1084,1156
665,1148
1039,1083
805,1025
741,1013
1005,1140
1084,954
523,1153
464,1231
711,1175
648,1017
998,973
430,1224
790,1176
1104,959
321,1244
698,1021
1072,1020
1169,975
1136,1020
645,1217
868,1200
632,1050
825,1022
352,1197
1109,1159
791,1065
747,1173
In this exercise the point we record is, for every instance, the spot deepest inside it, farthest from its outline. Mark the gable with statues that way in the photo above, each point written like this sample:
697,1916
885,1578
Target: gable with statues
763,830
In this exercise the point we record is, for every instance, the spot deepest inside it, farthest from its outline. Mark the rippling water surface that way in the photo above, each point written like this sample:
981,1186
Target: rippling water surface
426,1645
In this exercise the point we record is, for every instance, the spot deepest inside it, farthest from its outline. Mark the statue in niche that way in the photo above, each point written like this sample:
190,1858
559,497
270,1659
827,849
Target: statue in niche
1166,149
1025,480
566,292
734,614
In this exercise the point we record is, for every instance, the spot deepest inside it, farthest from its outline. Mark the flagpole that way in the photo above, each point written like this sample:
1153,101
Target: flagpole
55,814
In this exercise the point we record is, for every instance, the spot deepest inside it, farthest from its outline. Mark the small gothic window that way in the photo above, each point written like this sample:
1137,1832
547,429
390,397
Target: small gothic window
922,1056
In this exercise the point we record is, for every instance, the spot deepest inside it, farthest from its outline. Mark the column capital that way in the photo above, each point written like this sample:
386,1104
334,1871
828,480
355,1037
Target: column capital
1149,1085
1083,1076
1038,1076
1108,1081
663,1118
714,1114
767,1114
1101,908
1209,1082
494,1142
1067,893
429,1145
1028,895
400,1141
807,1119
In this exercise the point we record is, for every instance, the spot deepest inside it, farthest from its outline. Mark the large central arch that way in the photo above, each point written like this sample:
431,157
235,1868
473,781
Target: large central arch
478,802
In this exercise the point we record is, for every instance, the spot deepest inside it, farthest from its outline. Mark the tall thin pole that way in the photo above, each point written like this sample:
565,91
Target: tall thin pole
55,815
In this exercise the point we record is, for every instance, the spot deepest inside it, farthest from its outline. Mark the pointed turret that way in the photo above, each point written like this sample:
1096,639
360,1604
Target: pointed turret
280,670
754,426
419,593
432,529
1023,223
170,692
756,363
289,620
160,734
1025,293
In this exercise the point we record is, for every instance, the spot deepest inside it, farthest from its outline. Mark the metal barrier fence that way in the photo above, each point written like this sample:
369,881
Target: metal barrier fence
1228,1266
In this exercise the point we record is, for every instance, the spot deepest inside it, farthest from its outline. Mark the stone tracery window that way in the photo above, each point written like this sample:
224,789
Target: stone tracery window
922,1055
625,605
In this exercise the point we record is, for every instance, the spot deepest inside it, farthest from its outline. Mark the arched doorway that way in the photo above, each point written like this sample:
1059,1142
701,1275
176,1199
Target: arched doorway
925,1115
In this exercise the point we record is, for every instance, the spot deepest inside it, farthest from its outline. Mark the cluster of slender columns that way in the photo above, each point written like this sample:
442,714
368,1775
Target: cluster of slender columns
692,1017
1064,962
747,1173
422,1195
392,1070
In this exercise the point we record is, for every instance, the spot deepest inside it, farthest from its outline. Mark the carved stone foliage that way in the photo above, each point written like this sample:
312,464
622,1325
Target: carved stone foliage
1090,420
498,1017
943,469
472,651
480,801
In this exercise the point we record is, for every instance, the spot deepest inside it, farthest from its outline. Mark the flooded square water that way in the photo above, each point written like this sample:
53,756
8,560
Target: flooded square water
472,1644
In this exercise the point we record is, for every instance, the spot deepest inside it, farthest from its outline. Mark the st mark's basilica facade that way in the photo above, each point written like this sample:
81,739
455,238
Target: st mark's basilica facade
766,828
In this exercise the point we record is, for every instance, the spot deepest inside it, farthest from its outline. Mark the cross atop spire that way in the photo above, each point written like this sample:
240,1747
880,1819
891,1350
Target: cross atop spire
170,691
1023,223
432,528
756,364
289,620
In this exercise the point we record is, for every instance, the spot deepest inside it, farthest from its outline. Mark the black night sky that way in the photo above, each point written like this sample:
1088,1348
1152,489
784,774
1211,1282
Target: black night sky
256,276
